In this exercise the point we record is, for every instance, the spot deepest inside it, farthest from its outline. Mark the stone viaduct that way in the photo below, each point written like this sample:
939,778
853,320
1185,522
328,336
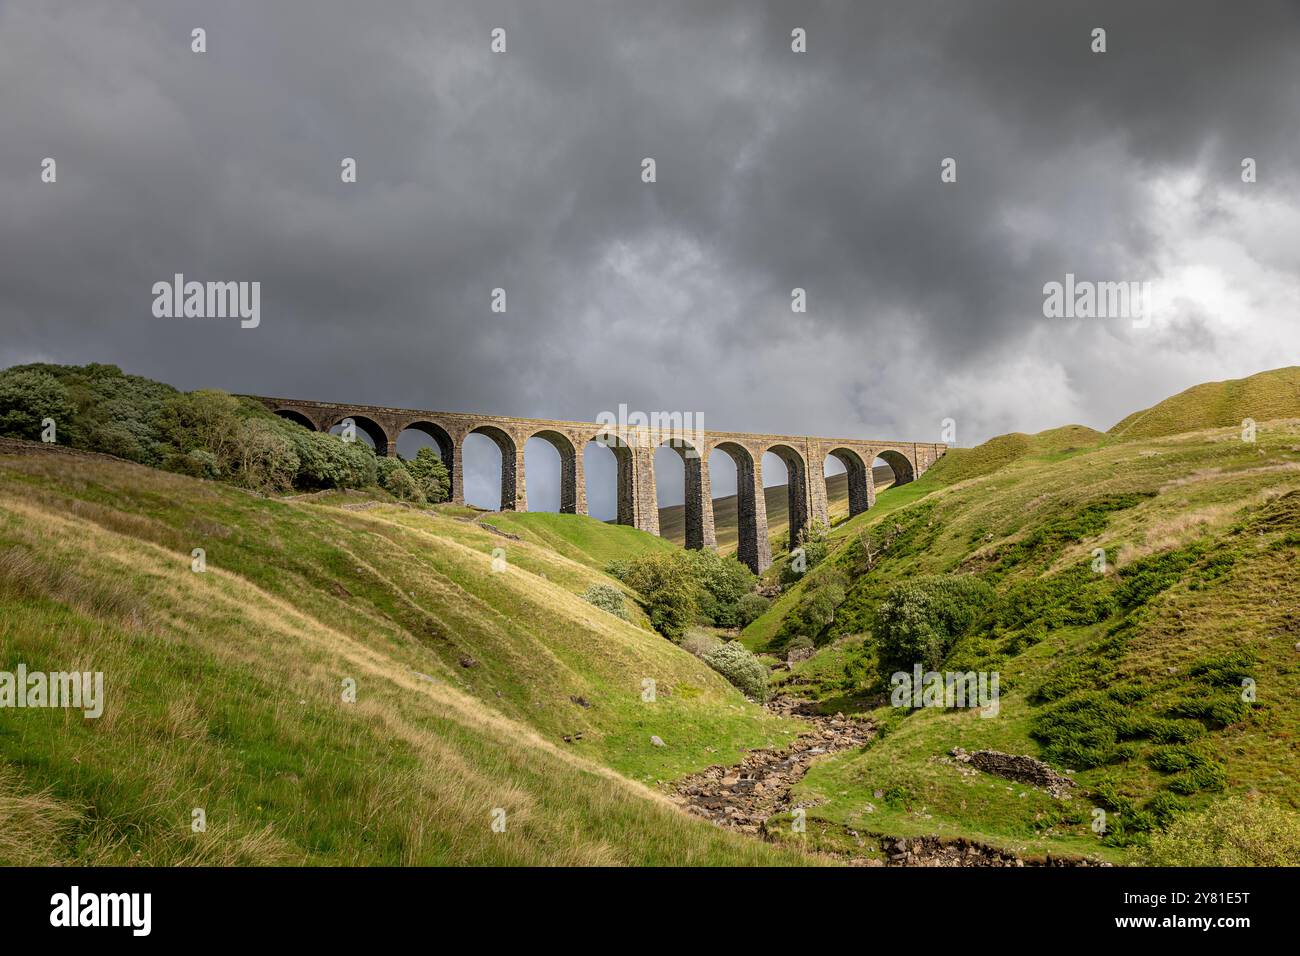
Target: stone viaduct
634,450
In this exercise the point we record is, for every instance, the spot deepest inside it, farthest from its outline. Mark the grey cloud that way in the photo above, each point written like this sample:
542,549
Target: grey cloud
776,170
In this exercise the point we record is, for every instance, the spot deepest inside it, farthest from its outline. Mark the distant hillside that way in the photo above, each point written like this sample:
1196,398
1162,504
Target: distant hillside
1267,395
672,520
959,464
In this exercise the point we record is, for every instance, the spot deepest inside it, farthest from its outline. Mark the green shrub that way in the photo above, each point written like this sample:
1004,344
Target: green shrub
814,539
817,607
607,598
663,580
1216,708
1074,674
326,461
396,480
688,587
1049,539
206,433
27,397
919,621
264,458
1149,576
199,463
207,420
734,662
750,608
721,583
1237,831
430,474
700,642
1209,775
1226,670
1073,597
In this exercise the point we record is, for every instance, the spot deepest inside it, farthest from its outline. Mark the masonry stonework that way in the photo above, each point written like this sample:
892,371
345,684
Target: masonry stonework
634,451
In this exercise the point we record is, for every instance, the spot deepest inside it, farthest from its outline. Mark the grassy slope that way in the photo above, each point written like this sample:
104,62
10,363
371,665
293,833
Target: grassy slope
960,464
1267,395
589,542
223,688
1235,501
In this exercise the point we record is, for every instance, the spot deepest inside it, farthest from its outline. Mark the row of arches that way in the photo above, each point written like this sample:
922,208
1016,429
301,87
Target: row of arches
612,480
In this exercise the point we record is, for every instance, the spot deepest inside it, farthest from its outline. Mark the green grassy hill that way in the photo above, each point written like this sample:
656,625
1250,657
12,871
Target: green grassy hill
959,464
1267,395
593,543
224,688
1130,678
484,681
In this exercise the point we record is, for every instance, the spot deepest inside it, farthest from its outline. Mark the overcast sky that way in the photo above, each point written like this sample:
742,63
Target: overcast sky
775,170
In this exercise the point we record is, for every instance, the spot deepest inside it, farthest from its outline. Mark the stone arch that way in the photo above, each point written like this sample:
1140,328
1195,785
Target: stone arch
297,417
446,451
372,429
623,450
856,470
697,493
572,488
899,462
796,487
513,494
752,547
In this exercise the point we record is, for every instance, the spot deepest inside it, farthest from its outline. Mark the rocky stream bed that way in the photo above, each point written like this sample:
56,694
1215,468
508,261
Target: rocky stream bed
755,793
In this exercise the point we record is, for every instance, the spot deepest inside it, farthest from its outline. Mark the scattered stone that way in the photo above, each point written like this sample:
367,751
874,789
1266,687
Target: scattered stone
799,654
657,742
1017,767
754,795
468,661
581,701
937,851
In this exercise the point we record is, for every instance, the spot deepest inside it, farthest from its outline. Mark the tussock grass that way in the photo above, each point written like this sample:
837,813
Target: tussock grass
224,689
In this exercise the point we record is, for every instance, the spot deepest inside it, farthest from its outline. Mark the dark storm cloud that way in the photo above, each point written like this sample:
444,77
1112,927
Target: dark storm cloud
775,170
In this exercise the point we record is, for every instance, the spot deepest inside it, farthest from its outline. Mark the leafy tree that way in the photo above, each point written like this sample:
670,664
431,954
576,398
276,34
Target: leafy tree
430,474
750,608
396,479
27,397
818,604
326,461
722,582
688,587
206,420
920,620
265,459
664,583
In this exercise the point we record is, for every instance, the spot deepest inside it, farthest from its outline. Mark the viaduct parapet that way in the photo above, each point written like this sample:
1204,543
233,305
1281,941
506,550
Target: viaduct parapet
634,450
